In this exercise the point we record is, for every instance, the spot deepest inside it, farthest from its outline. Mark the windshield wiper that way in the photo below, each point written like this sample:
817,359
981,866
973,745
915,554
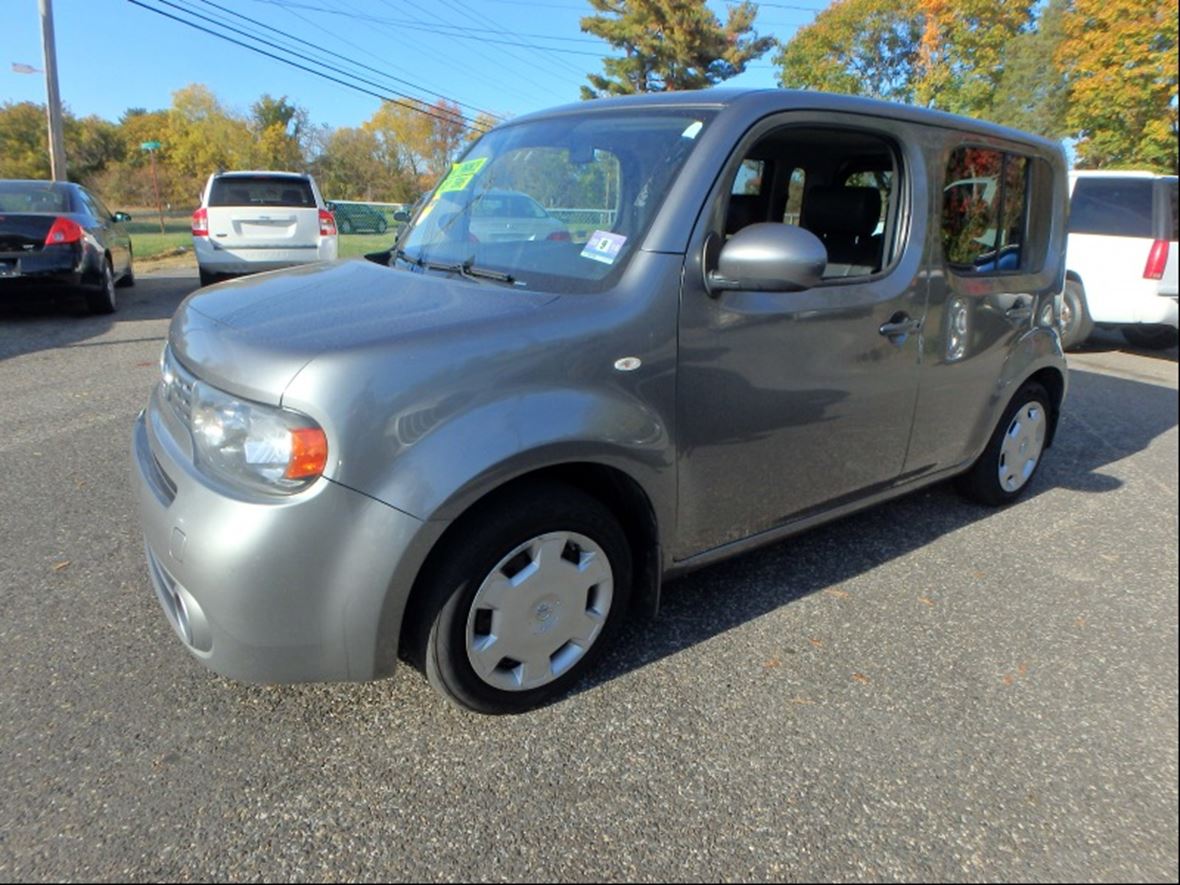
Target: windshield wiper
465,269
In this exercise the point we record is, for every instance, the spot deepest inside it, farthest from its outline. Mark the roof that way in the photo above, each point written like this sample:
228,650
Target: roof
274,173
789,99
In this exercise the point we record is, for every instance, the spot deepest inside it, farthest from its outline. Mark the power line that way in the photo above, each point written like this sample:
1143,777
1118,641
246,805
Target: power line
357,64
459,119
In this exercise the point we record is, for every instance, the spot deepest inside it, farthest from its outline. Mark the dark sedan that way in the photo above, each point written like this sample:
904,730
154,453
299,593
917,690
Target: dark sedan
55,234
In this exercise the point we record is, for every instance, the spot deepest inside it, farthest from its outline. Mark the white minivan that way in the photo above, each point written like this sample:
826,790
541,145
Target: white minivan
1121,259
254,221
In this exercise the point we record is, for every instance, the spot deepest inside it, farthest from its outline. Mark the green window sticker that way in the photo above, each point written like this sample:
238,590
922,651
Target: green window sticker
461,176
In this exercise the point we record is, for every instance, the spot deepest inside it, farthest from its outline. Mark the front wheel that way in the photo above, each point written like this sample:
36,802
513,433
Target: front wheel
528,593
345,226
1013,454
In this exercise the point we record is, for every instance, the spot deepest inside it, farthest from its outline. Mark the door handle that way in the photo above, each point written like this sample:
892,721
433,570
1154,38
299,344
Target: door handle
900,325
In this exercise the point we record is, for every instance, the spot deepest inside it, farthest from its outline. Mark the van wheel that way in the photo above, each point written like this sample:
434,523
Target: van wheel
530,590
103,299
1076,324
1150,337
1013,454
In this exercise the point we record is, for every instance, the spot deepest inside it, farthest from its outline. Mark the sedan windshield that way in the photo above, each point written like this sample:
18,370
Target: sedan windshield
558,204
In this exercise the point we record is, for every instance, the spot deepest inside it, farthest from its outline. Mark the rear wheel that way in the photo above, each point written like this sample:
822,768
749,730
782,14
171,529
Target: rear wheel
1076,325
345,226
1013,454
1150,337
103,299
382,225
527,595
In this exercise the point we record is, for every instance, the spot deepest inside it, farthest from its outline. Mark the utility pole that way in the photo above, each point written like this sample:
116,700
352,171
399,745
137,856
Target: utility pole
57,151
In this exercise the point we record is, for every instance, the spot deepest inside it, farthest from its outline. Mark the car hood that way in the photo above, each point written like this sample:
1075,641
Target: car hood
252,336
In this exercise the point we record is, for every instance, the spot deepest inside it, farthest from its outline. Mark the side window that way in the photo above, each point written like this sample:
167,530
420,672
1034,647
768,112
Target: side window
984,210
749,178
882,180
89,204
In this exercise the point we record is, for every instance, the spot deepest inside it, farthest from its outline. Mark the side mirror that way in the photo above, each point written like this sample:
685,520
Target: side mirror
401,216
122,217
330,206
768,257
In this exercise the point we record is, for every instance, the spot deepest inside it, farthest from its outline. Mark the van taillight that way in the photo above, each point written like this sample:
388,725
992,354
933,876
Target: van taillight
1157,260
327,224
62,232
201,223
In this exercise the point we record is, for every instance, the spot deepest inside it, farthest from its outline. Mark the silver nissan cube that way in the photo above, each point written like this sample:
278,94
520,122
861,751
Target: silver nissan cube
747,313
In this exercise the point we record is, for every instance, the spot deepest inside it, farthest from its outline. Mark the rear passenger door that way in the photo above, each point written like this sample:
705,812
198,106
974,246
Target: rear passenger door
790,403
985,263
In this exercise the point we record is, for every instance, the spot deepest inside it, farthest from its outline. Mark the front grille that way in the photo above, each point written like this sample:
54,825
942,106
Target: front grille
177,386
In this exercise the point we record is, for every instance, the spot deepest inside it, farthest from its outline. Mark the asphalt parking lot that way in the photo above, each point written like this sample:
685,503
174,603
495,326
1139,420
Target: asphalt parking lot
924,691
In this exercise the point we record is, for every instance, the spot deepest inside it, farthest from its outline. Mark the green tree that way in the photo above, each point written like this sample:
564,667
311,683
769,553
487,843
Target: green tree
280,129
417,141
1032,93
857,47
203,137
24,141
671,45
1120,61
350,167
961,55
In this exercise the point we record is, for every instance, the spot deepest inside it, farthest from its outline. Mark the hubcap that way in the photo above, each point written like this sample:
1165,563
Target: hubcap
539,611
1021,449
1066,315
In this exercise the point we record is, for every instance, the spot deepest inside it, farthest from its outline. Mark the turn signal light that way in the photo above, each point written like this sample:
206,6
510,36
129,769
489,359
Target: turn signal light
309,453
327,224
62,232
1157,260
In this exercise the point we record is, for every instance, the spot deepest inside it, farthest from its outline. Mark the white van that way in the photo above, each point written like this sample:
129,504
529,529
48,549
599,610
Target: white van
253,221
1121,258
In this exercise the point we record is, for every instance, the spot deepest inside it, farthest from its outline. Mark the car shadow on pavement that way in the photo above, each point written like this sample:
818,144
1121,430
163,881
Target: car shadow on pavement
701,605
1112,341
43,320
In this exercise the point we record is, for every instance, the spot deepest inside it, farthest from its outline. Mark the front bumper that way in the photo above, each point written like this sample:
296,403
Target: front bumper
306,588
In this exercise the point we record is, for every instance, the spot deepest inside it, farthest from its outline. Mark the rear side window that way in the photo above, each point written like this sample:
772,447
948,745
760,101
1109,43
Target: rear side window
984,211
1113,207
261,190
1165,210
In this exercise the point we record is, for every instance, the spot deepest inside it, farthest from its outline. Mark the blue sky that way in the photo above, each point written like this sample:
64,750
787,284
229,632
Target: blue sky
113,55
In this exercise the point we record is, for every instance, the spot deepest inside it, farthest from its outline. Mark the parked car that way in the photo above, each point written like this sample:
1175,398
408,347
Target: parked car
501,216
56,234
1121,263
484,454
254,221
357,217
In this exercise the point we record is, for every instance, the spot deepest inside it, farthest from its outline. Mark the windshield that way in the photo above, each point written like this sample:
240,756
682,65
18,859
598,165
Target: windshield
558,204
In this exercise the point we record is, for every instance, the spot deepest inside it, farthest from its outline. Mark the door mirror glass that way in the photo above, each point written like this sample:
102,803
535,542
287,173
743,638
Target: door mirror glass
330,206
122,217
769,257
401,216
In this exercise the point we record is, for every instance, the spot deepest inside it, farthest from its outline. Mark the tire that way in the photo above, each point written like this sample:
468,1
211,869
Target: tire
382,225
207,277
128,279
543,566
345,226
1151,337
1076,324
103,299
1014,453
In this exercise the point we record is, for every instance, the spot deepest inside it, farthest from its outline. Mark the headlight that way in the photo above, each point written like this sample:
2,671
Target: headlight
252,445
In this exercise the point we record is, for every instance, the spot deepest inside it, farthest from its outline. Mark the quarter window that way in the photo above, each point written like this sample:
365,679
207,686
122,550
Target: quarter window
984,211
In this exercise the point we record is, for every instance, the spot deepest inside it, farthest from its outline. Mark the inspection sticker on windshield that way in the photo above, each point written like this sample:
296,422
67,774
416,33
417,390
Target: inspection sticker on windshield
461,176
604,246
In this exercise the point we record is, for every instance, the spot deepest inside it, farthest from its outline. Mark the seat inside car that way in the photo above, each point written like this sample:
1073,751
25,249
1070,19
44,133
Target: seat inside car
844,218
